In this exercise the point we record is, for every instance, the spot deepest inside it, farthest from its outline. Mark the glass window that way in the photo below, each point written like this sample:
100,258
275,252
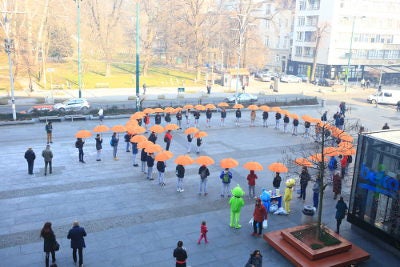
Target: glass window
301,21
299,51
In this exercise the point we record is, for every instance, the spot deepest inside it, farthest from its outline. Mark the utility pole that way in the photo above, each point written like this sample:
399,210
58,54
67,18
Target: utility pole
78,25
137,56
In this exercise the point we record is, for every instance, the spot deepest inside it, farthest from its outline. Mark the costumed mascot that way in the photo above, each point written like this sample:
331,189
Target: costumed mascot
288,193
266,199
236,202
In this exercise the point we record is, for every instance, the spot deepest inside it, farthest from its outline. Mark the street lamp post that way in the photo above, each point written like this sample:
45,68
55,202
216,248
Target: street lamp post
8,48
78,24
137,56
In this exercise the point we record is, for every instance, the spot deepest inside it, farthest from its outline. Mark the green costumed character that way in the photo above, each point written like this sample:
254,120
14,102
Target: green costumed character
236,202
288,193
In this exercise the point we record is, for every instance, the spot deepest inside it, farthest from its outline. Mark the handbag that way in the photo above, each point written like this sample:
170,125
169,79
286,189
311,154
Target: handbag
56,246
265,224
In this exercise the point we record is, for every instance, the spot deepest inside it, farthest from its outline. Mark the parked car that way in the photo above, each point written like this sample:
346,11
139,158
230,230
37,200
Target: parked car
74,104
290,79
303,77
242,97
391,97
324,82
265,77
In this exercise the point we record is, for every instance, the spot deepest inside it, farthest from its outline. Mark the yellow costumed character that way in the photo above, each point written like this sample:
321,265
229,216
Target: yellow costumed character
288,193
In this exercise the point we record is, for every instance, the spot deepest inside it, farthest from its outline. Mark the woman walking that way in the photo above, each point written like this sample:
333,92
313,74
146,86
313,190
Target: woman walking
259,215
49,242
99,146
255,259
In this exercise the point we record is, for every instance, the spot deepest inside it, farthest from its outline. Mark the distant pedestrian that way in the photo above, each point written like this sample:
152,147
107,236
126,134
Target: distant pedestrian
157,119
153,137
304,179
386,126
259,215
324,116
187,116
277,181
265,118
398,106
150,165
77,234
226,177
343,165
134,153
199,142
243,89
336,185
179,119
167,139
362,83
49,242
286,121
180,255
204,173
253,116
167,118
203,232
144,89
238,115
99,146
143,159
316,187
79,145
30,157
147,122
251,180
180,174
196,115
341,210
208,117
367,83
49,131
278,117
255,259
295,126
189,138
101,114
47,155
114,143
307,126
223,117
208,89
342,108
161,172
127,139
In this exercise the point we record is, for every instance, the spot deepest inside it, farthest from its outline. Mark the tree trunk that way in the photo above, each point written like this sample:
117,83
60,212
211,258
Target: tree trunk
314,66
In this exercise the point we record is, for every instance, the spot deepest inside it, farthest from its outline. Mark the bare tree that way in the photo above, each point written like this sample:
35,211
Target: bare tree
319,32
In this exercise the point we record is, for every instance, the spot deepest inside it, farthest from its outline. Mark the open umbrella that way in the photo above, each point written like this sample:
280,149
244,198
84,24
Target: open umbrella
346,137
158,110
223,105
164,156
144,144
284,112
228,163
191,130
118,128
303,162
139,130
200,107
277,167
200,134
83,134
130,129
171,126
253,166
138,115
169,110
265,108
131,123
210,106
331,151
253,107
238,106
138,138
154,148
157,129
205,160
347,152
294,116
307,118
276,109
184,160
317,157
148,111
176,110
101,128
188,106
345,145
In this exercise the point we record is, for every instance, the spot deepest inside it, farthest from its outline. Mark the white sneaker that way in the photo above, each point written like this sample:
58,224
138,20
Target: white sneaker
182,190
178,190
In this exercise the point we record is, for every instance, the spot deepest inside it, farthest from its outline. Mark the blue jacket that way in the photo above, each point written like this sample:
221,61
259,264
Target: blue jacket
229,177
76,235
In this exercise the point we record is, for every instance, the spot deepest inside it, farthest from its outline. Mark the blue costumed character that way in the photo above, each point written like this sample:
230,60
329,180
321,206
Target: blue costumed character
266,199
236,202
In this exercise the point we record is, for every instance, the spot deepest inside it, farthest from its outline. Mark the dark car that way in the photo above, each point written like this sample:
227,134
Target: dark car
324,82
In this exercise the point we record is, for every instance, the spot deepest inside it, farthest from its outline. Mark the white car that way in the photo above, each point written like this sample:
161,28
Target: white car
265,77
290,79
242,97
74,104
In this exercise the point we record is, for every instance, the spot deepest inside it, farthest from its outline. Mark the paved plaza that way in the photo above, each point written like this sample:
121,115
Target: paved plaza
134,222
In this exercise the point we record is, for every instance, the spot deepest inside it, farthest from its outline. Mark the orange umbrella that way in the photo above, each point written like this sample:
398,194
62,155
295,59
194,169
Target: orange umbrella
154,148
158,110
331,151
223,105
138,115
238,106
157,129
347,152
118,128
188,106
210,106
307,118
294,116
148,111
138,138
83,134
317,157
228,163
303,162
139,130
284,112
184,160
276,109
277,167
345,145
169,110
131,123
200,134
205,160
130,129
346,137
191,130
200,107
144,144
163,156
253,107
253,166
171,126
101,128
265,108
176,110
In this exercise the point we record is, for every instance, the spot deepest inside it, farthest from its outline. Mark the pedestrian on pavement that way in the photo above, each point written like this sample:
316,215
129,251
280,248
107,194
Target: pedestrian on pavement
167,118
223,117
204,172
77,234
30,157
189,141
196,115
304,178
208,89
362,83
127,139
203,232
342,108
324,116
168,139
286,121
341,209
337,185
180,255
265,118
134,153
277,181
226,177
150,165
49,131
208,117
255,259
343,165
341,122
386,126
79,145
143,159
332,167
199,142
47,155
187,116
295,126
307,126
101,114
179,119
251,180
153,137
367,83
147,122
238,115
161,172
49,242
398,106
157,119
278,117
114,143
99,146
259,215
180,174
253,116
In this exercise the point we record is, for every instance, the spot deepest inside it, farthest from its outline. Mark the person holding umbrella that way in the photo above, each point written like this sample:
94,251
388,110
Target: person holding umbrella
226,177
295,126
153,137
114,143
199,141
265,118
208,117
99,146
179,119
150,165
189,140
285,123
134,153
204,173
251,179
180,174
79,145
253,116
223,116
168,139
157,119
143,159
127,138
161,171
278,117
277,181
238,115
30,157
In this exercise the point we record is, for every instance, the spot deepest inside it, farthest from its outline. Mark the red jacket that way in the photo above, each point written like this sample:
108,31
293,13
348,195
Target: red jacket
203,229
251,178
260,213
343,162
169,136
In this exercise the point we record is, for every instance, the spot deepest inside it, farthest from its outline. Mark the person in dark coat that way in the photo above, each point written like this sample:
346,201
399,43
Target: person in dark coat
99,146
385,127
150,165
204,172
161,171
127,138
167,118
157,119
76,235
255,259
341,209
278,117
196,115
153,137
286,121
49,132
199,142
47,155
30,157
180,174
277,181
337,185
114,143
304,178
134,153
79,145
208,116
180,255
223,117
238,115
259,215
295,126
324,116
265,118
143,159
49,241
179,119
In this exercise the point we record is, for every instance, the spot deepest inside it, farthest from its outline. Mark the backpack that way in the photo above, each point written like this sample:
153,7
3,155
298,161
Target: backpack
203,173
225,179
349,159
111,142
76,144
